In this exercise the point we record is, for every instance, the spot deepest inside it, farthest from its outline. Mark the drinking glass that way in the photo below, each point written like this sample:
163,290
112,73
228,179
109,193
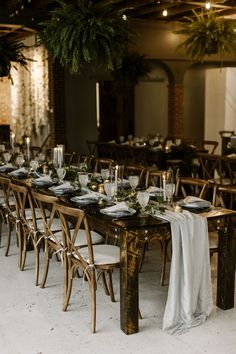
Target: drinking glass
105,172
83,180
110,188
7,156
19,161
170,190
34,164
61,172
143,199
133,181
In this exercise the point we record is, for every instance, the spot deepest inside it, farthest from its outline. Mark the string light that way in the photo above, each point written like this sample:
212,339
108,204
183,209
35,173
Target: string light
124,17
164,13
208,5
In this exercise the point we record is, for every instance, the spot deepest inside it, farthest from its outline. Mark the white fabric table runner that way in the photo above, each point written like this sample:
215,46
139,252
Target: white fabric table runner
189,300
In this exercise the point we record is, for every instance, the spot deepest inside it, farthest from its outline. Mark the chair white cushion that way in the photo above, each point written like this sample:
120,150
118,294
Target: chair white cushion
213,239
81,238
56,225
28,213
103,254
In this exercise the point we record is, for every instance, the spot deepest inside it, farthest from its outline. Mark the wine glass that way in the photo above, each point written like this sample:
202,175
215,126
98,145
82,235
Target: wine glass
83,180
170,190
19,160
61,172
109,188
34,164
7,157
133,181
105,173
143,199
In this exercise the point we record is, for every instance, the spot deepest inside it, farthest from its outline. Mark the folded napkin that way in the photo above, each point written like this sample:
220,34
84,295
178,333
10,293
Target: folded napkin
18,172
63,186
122,206
92,195
189,300
6,167
153,189
43,179
196,202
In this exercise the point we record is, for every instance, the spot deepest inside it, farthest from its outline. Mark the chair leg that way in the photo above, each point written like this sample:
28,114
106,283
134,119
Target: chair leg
110,285
47,260
69,288
36,252
10,229
93,289
104,283
142,256
24,253
164,257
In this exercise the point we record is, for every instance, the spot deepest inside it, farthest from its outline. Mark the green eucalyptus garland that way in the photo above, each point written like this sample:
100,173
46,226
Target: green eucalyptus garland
88,32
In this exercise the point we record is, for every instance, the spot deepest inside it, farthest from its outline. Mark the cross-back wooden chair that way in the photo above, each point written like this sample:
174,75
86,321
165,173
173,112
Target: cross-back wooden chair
137,170
7,206
103,163
93,260
191,186
209,145
28,223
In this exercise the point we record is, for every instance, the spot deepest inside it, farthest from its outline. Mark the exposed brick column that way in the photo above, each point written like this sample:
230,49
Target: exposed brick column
57,104
176,110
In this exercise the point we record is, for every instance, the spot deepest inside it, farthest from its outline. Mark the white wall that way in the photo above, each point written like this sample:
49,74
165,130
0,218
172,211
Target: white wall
220,98
151,105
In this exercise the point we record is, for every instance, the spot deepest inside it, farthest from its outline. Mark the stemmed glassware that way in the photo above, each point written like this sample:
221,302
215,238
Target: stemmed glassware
83,179
19,161
7,157
61,172
143,199
109,188
170,186
133,181
105,173
34,164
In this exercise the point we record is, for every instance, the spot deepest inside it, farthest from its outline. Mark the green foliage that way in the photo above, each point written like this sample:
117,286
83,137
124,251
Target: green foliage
10,52
207,29
90,32
133,67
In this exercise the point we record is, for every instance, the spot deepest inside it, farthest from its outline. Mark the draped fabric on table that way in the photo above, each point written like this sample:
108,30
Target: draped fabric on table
189,300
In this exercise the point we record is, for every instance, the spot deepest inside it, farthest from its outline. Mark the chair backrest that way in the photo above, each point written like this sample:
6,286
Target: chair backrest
226,195
210,165
21,195
76,216
137,170
153,177
45,202
210,145
191,186
103,163
5,189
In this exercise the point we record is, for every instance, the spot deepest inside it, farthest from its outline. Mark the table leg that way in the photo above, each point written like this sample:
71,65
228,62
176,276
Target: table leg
129,283
226,267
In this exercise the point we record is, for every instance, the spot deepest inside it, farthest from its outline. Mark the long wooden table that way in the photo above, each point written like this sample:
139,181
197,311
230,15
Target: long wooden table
133,232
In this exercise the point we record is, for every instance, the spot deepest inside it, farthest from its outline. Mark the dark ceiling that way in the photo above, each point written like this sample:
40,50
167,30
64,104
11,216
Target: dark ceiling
16,16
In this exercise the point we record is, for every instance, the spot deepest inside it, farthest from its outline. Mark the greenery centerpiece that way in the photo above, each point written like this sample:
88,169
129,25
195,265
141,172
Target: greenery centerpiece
207,33
10,53
86,32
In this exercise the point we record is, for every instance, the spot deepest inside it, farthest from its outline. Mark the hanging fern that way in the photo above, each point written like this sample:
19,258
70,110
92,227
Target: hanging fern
10,52
205,29
87,33
133,67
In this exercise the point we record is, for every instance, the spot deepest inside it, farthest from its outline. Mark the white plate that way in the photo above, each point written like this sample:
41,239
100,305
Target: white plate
118,213
84,201
196,205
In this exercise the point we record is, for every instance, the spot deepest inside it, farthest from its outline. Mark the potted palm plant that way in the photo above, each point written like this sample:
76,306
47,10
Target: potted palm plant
10,53
89,32
207,33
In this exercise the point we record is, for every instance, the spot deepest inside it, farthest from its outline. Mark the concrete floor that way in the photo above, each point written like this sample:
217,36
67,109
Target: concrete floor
32,322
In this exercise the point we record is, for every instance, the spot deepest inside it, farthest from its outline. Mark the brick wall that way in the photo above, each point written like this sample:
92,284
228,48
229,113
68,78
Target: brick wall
175,110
